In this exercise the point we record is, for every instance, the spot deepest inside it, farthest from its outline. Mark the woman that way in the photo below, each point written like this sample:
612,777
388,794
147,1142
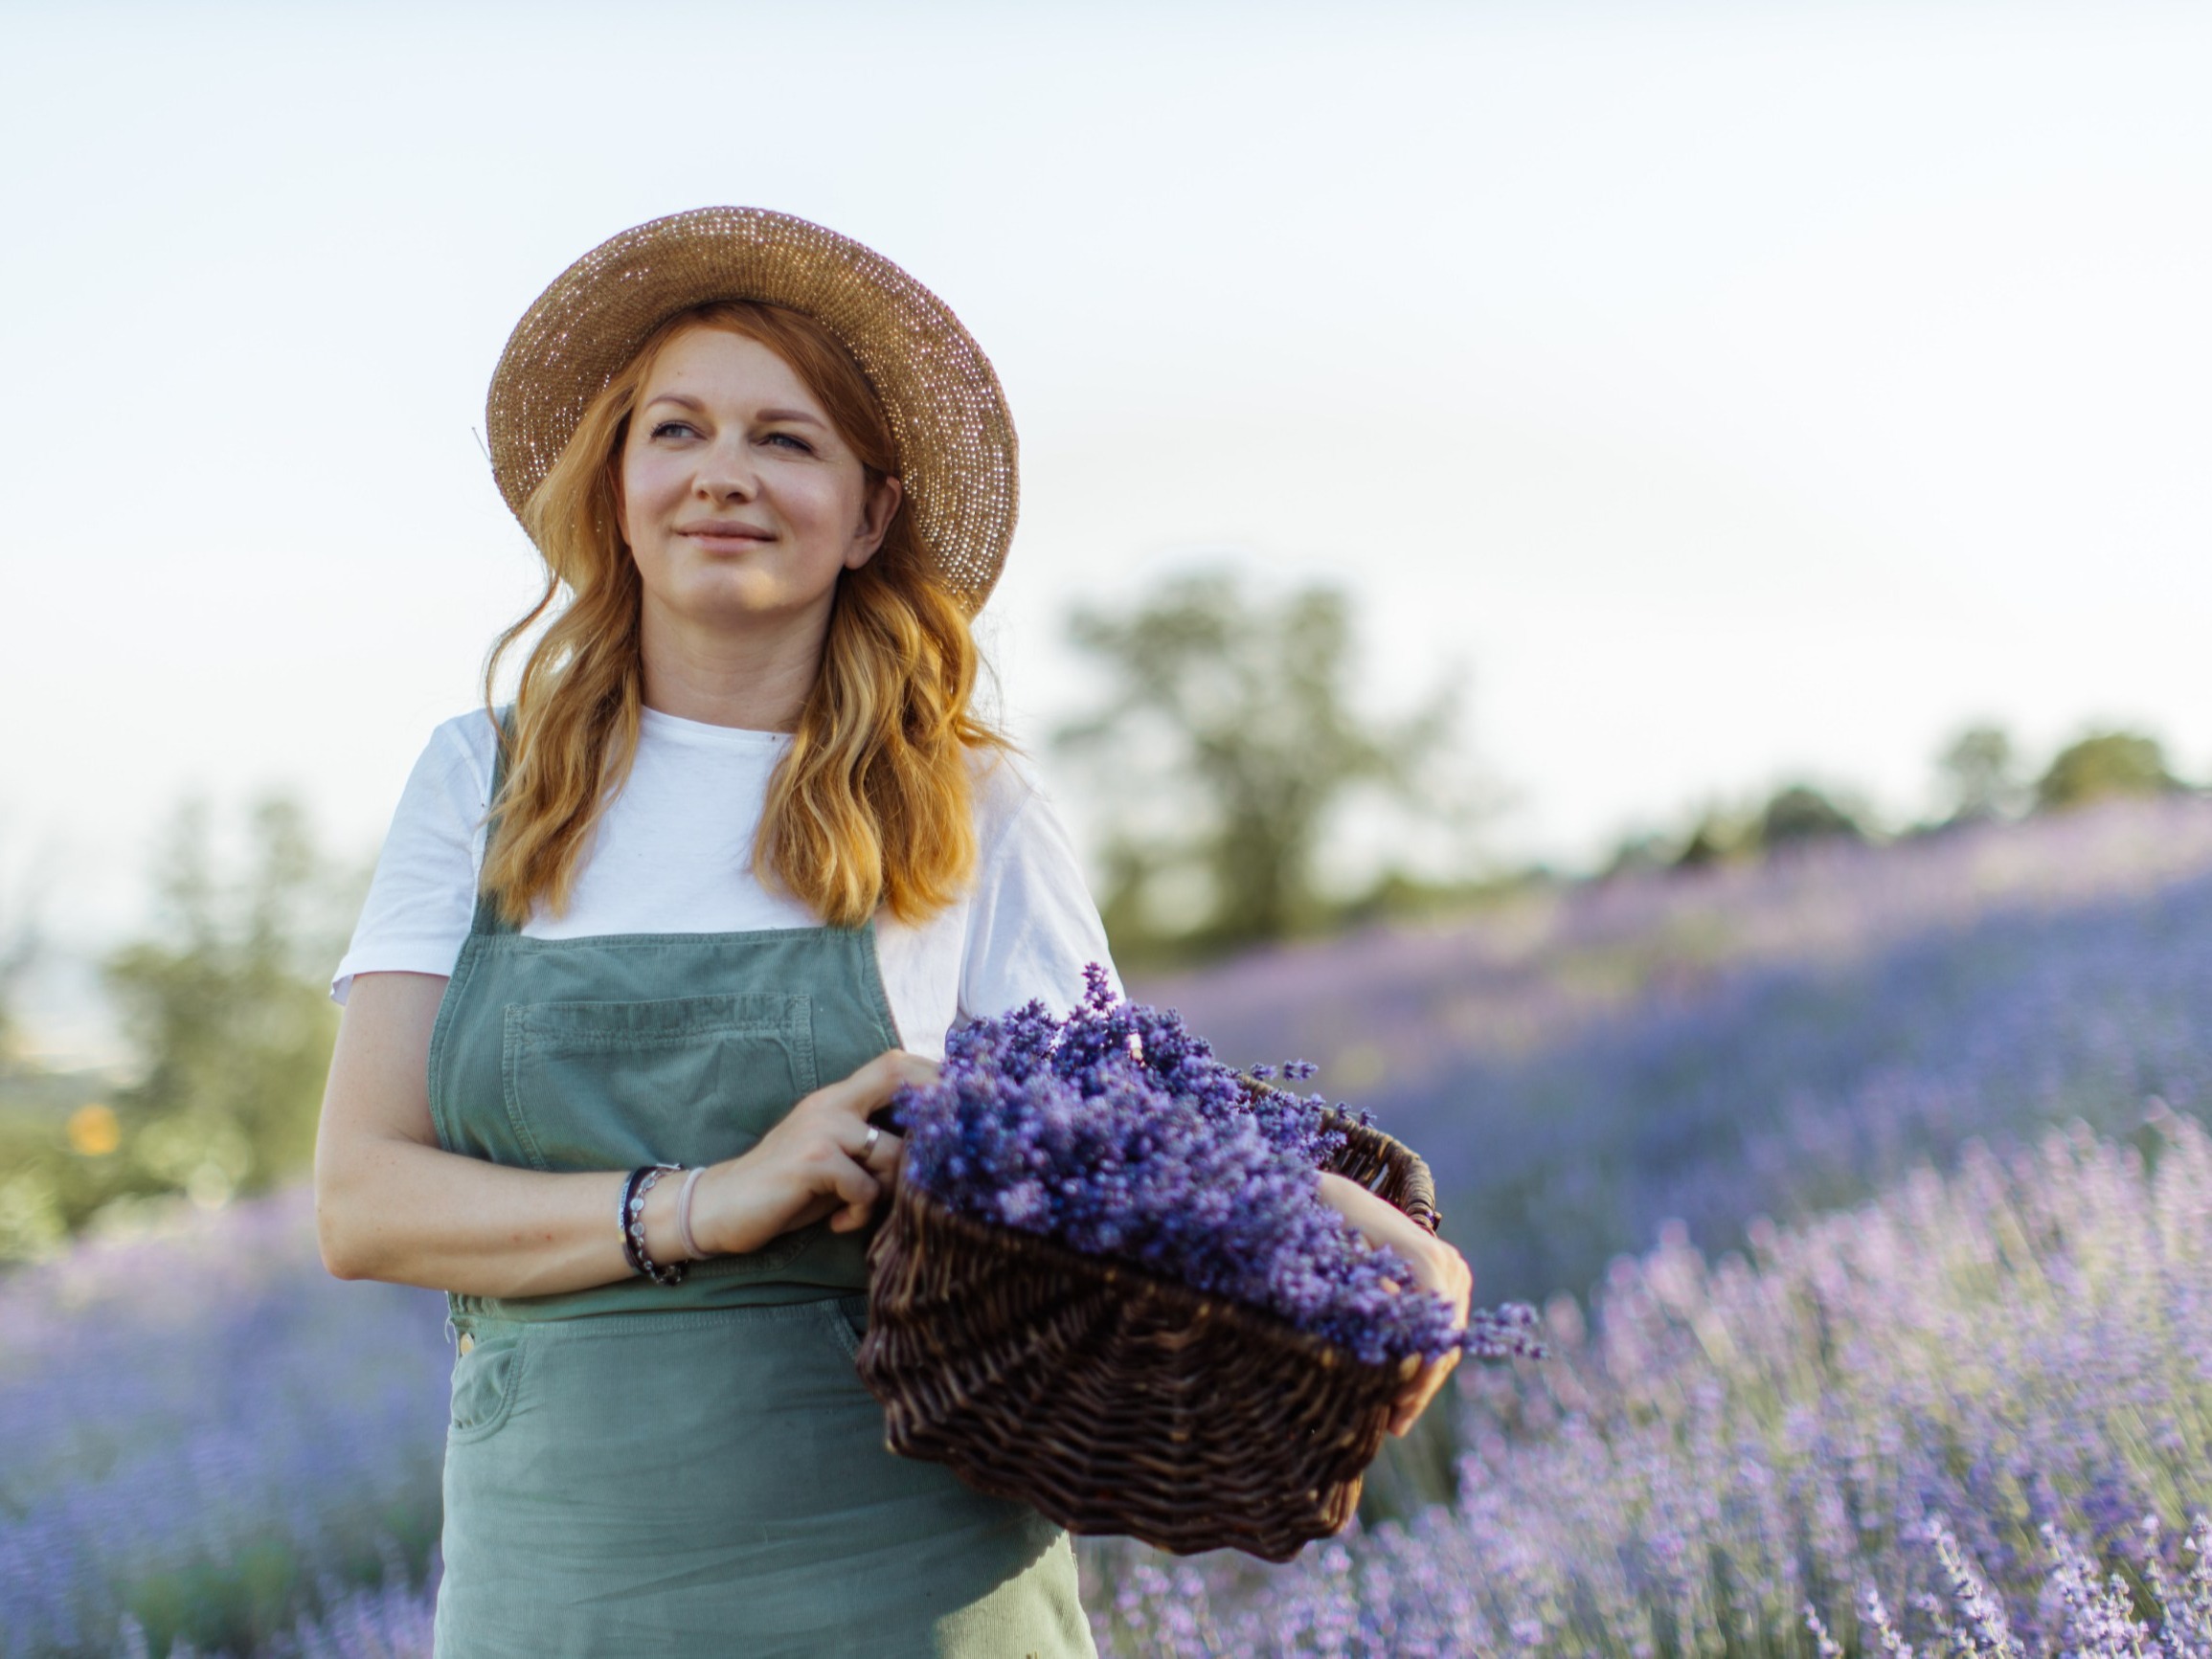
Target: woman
708,893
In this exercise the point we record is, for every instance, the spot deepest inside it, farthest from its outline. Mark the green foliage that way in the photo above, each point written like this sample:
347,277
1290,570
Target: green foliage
1979,772
17,953
2108,763
1227,741
228,1008
1799,814
225,1005
1794,815
1395,896
1717,835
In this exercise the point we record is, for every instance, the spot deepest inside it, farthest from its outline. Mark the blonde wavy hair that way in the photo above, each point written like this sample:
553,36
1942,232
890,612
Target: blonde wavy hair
870,806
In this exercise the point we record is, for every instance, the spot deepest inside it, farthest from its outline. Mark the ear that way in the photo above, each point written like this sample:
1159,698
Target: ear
876,516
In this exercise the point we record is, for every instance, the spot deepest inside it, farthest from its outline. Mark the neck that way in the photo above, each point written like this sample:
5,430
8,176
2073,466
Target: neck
754,673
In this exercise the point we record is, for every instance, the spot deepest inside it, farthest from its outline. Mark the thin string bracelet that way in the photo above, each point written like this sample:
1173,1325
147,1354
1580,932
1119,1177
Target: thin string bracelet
683,1213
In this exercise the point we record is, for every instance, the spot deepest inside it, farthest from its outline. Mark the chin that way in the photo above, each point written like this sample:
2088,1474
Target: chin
743,596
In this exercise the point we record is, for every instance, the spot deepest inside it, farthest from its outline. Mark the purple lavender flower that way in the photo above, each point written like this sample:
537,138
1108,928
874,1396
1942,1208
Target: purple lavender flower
1116,1132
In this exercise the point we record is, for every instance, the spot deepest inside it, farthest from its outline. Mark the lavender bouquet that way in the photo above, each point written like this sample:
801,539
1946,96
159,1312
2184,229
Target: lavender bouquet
1116,1132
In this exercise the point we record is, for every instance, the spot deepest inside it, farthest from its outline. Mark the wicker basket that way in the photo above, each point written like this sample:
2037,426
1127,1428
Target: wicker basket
1119,1401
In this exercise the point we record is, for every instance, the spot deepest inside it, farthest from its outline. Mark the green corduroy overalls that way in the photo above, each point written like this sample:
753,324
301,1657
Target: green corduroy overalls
677,1472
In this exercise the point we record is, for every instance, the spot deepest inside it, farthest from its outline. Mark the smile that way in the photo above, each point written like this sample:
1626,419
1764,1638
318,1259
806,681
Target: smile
727,531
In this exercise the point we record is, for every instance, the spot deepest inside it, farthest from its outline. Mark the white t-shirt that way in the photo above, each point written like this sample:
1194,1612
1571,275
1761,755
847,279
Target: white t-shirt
673,854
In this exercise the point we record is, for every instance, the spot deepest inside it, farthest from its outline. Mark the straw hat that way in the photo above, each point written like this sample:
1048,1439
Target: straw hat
948,417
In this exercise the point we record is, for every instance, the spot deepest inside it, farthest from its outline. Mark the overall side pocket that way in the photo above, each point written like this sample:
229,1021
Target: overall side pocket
847,1323
485,1382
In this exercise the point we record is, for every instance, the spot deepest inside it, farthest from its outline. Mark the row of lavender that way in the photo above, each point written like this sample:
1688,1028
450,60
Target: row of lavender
1777,1039
1977,1407
206,1435
1974,1417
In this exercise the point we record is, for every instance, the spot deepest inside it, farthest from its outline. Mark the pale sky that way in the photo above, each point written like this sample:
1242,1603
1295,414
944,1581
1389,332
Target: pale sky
1734,390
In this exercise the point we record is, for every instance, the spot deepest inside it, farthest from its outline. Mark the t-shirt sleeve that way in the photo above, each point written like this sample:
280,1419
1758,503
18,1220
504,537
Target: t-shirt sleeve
423,893
1032,928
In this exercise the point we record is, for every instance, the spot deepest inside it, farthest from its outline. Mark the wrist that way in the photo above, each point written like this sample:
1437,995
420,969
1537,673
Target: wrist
663,1239
723,1219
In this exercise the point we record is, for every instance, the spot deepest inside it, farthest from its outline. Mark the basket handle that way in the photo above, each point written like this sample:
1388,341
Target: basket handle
1418,1192
1387,1167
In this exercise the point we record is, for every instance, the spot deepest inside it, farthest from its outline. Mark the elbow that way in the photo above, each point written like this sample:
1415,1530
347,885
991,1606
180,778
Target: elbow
338,1258
336,1264
336,1241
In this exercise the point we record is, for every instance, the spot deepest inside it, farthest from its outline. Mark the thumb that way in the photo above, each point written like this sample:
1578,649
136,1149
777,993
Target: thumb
874,1084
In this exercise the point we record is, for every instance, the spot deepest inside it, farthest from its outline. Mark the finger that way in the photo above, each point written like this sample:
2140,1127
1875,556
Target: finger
815,1209
881,1159
854,1185
1408,1412
1404,1408
874,1084
1415,1400
1411,1402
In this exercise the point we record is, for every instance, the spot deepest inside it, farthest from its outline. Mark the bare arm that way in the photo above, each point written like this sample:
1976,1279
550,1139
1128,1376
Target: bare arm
391,1203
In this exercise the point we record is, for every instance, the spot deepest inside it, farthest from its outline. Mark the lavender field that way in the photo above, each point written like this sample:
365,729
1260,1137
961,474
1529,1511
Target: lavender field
1771,1038
1966,1365
1987,1401
206,1435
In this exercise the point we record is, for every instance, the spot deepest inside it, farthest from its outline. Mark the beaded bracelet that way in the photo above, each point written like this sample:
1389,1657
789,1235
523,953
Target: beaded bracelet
633,1223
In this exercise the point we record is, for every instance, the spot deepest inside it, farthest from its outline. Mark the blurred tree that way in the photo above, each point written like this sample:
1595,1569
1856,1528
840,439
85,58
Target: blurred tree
19,949
228,1008
1637,852
1799,814
1978,768
2107,763
1227,740
1714,837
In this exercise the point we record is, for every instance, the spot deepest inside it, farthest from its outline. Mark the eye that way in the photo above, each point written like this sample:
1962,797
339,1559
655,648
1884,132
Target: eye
668,428
791,439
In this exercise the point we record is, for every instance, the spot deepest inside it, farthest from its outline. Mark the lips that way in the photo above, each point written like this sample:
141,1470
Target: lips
725,531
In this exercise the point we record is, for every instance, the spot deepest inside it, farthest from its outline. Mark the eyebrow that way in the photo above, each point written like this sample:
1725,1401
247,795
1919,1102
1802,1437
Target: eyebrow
681,401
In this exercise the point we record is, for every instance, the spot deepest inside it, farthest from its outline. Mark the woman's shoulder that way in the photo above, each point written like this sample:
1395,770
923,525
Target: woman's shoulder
1005,795
467,741
453,773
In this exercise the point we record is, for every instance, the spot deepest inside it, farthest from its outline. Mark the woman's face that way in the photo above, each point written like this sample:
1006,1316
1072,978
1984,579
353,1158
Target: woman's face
738,499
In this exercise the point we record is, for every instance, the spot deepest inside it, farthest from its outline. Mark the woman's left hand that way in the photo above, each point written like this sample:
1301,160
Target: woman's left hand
1436,1266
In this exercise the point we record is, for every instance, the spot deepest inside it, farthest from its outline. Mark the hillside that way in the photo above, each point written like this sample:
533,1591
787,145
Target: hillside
1583,1064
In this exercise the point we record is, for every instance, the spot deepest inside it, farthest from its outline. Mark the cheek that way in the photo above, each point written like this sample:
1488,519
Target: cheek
645,493
828,504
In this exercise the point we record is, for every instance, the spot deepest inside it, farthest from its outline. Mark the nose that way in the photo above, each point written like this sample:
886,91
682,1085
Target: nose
726,473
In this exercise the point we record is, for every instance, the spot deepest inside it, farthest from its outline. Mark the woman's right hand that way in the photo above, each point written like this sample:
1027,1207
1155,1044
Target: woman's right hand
808,1166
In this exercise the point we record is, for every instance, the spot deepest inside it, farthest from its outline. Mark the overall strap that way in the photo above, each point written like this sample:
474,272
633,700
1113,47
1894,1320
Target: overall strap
487,919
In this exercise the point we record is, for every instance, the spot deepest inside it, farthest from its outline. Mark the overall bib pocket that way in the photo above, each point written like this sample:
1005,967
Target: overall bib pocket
687,1080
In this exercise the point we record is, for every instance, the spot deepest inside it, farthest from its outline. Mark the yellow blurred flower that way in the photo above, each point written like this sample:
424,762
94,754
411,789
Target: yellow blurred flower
93,1131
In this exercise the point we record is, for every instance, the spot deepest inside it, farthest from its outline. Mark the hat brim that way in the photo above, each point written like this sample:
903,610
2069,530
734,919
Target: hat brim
956,450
